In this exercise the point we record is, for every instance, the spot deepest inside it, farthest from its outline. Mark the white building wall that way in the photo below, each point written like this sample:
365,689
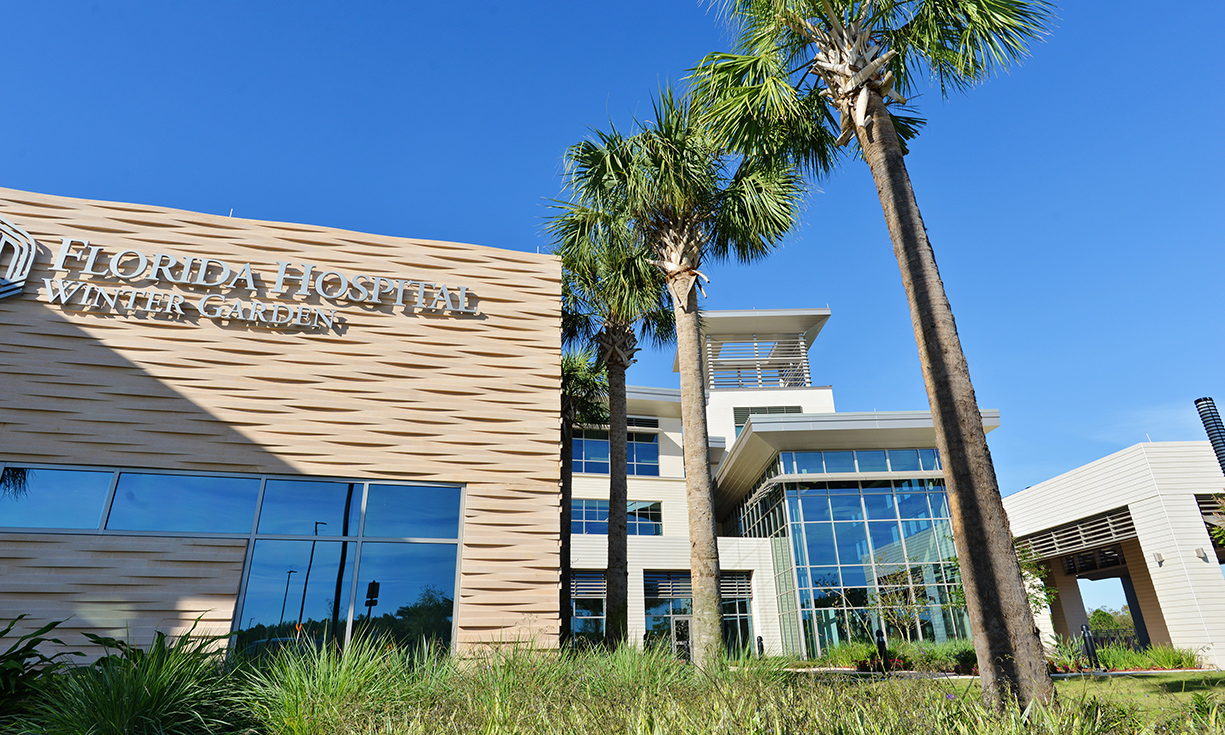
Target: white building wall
721,419
1191,591
1157,482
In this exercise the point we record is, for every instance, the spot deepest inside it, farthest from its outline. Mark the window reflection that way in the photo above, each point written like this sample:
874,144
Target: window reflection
307,508
32,498
296,589
416,592
184,503
408,511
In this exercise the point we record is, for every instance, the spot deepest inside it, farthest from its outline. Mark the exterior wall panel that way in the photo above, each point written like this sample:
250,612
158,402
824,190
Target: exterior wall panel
120,586
391,393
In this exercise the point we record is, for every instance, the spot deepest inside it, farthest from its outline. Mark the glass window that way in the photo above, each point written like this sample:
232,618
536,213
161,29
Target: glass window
877,486
846,507
642,452
820,542
306,508
940,504
786,462
31,498
412,511
904,460
929,459
873,461
855,575
808,463
824,577
913,505
886,541
590,451
880,506
293,588
187,503
644,519
839,461
816,508
416,591
852,543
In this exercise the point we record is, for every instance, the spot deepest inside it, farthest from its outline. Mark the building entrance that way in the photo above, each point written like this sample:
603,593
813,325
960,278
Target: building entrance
681,626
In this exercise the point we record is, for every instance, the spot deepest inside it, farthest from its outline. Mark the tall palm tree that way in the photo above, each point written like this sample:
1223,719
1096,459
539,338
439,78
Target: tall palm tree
584,392
687,202
801,62
614,297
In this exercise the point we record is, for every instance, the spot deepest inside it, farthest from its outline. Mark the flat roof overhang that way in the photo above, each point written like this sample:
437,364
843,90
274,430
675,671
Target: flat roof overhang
766,435
807,322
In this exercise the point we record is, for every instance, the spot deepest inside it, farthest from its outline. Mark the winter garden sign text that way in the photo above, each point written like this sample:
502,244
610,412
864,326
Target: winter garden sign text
300,296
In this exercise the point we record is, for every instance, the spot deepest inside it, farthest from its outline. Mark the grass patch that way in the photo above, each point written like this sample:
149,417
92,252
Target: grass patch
375,689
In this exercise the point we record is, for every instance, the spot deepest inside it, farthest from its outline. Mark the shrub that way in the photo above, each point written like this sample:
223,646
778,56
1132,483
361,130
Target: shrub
175,686
22,666
1168,657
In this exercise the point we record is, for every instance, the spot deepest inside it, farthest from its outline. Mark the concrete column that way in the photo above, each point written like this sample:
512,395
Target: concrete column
1146,596
1191,591
1068,609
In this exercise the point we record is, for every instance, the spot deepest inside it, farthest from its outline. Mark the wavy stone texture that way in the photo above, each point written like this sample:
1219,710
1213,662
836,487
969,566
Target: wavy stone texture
391,394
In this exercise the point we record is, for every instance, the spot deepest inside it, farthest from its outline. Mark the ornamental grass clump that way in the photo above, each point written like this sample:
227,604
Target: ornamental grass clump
175,686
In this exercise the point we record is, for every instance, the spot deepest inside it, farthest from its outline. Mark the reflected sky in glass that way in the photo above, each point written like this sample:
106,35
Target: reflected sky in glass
293,507
416,590
315,598
407,511
186,503
53,498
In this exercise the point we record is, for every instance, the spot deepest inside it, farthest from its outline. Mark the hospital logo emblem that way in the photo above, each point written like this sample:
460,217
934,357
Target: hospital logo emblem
17,249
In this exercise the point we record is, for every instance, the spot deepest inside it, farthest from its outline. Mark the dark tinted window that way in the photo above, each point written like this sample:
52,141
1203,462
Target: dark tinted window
292,583
412,511
188,503
416,591
295,506
31,498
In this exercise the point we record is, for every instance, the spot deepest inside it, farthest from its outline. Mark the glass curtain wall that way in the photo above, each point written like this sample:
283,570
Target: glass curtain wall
854,556
324,558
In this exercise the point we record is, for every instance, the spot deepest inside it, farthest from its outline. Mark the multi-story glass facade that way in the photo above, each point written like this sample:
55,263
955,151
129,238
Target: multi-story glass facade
855,555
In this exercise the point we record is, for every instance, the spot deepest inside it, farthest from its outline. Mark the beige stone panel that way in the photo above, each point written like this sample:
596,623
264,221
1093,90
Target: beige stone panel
1146,594
119,586
391,394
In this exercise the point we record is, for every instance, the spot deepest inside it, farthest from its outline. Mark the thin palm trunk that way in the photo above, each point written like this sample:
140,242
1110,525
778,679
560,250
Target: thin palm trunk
707,629
616,613
1006,640
567,495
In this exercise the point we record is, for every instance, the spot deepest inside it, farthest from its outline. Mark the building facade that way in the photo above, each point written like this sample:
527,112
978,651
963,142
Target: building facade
831,525
273,429
1141,516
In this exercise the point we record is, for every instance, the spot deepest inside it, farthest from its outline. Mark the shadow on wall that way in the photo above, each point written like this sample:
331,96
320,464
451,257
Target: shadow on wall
70,399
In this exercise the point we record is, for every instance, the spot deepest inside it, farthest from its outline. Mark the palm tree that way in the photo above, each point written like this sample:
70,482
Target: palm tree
614,297
584,388
681,198
802,62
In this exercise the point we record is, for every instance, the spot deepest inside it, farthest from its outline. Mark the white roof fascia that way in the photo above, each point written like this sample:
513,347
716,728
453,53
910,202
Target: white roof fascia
765,435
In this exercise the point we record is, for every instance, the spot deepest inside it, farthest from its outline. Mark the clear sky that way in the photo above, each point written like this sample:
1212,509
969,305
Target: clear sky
1073,204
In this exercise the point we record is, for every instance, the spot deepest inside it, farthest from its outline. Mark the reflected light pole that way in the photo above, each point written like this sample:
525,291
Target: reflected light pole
307,577
286,597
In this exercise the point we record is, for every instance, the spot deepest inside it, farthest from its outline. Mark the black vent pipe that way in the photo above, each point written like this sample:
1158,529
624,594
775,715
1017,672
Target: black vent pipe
1212,424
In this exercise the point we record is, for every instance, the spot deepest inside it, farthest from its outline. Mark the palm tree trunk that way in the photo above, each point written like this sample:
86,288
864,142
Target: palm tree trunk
1010,656
616,610
707,629
567,496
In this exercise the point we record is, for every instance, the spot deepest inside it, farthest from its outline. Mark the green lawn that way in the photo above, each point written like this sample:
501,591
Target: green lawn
1152,693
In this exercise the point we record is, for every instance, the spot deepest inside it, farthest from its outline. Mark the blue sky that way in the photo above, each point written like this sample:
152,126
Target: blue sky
1072,204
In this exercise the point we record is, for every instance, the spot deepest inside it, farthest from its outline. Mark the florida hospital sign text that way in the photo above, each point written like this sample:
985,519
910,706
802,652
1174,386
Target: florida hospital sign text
307,296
